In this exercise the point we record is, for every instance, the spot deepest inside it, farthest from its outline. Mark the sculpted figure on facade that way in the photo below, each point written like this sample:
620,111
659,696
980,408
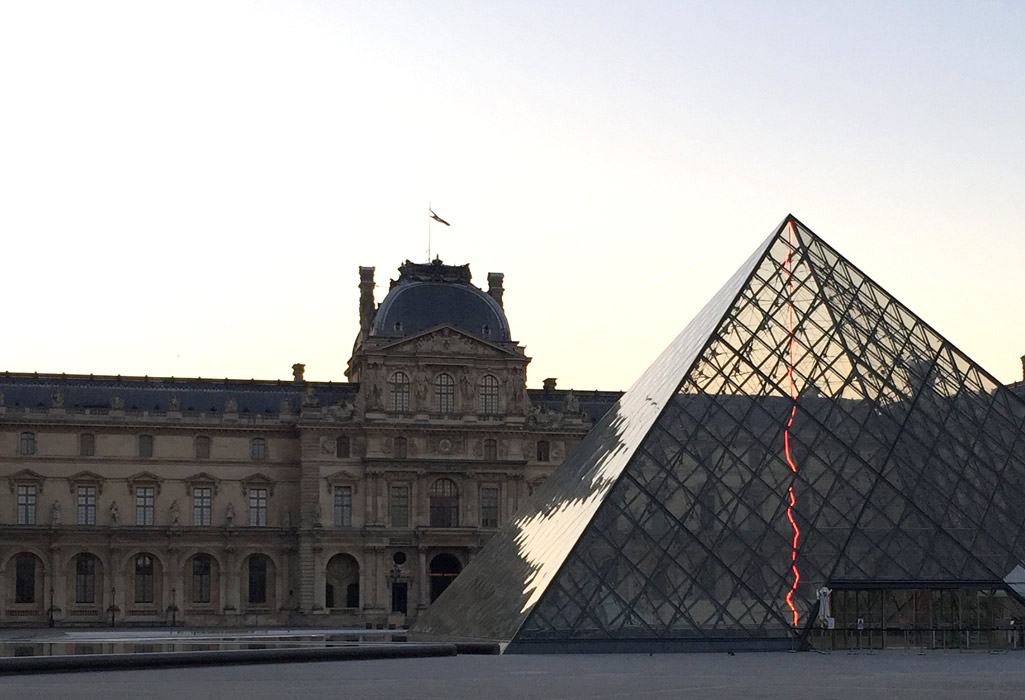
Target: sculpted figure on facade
310,398
57,398
117,402
229,514
174,404
571,406
55,513
115,513
175,514
231,406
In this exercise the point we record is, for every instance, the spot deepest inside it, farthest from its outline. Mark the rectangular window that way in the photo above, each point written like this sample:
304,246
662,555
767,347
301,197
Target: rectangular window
26,505
145,445
489,506
202,501
86,505
399,506
144,505
342,447
343,506
86,445
258,448
258,507
27,445
544,451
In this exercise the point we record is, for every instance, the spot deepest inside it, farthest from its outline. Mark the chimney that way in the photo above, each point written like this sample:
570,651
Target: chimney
495,287
366,300
298,369
1023,368
549,384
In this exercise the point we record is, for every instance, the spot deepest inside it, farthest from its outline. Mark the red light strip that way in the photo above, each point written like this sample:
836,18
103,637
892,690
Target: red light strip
790,422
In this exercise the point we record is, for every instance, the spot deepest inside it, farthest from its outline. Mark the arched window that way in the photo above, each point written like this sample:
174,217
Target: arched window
444,503
27,445
85,578
342,447
144,579
202,575
444,394
258,570
488,395
491,449
341,588
444,569
399,392
25,578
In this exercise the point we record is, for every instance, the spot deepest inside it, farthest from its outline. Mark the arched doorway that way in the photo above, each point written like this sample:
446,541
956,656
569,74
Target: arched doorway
342,582
444,569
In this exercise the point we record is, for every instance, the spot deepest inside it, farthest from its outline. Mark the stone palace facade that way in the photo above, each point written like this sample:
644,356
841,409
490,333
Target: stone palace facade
350,504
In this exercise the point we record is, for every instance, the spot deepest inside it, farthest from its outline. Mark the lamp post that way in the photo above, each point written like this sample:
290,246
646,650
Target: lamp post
173,607
113,608
51,609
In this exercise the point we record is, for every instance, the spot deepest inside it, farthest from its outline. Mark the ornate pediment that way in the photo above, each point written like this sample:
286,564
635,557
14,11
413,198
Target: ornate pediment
343,477
85,478
144,479
257,481
201,479
26,477
448,340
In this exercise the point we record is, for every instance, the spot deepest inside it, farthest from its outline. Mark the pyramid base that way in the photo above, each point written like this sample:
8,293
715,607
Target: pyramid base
653,646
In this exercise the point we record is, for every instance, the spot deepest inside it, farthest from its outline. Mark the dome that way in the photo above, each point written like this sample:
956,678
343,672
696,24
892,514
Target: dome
434,294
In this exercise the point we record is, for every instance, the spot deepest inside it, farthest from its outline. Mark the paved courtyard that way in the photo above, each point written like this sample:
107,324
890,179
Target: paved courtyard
841,676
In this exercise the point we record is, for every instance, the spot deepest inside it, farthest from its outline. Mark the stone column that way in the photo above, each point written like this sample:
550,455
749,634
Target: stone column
425,594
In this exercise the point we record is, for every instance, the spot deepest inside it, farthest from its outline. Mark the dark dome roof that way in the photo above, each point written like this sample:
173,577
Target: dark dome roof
431,295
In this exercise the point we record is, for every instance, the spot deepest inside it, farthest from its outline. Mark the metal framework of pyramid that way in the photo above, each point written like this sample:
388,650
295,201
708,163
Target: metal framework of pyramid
805,431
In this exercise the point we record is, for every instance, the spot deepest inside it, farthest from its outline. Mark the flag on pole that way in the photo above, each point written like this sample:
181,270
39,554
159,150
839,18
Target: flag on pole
438,218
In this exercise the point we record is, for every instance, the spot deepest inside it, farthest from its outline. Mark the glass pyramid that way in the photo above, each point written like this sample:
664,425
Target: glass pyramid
805,431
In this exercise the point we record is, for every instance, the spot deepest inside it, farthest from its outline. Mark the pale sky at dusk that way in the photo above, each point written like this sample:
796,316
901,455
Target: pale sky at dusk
188,188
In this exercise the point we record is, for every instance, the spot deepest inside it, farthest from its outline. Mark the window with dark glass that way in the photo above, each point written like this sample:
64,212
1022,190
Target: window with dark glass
258,507
26,505
143,579
342,447
25,579
86,505
401,448
488,395
86,445
544,451
257,579
202,501
202,447
343,506
27,444
144,496
444,503
85,578
399,506
145,445
400,392
490,449
258,449
489,506
444,394
202,570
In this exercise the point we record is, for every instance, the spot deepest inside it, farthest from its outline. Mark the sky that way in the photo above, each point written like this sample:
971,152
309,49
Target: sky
189,188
